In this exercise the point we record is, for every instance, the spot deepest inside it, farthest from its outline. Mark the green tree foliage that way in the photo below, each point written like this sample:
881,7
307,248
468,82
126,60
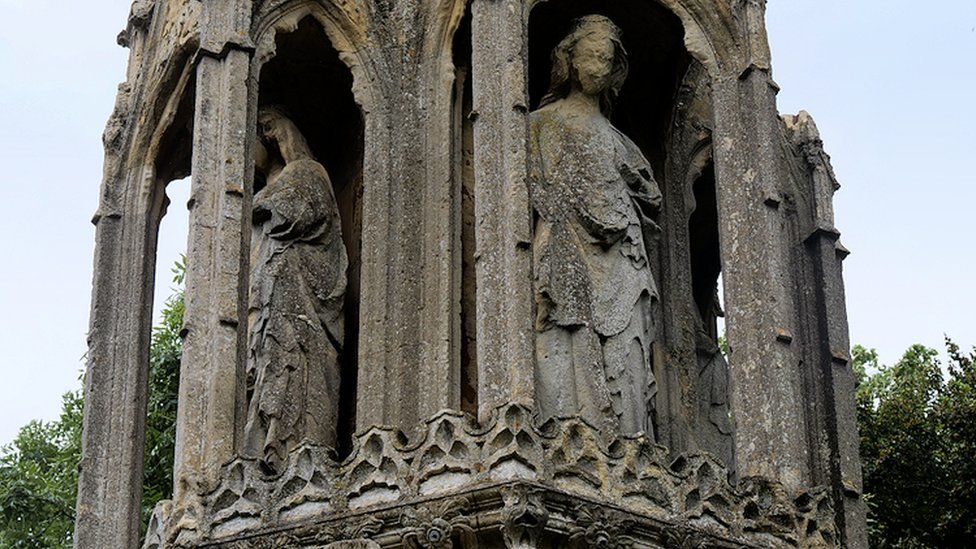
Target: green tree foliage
38,479
918,443
956,410
39,469
164,375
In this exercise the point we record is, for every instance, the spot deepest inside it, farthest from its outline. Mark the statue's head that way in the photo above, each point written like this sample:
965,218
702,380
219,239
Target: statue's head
272,123
278,134
266,147
592,59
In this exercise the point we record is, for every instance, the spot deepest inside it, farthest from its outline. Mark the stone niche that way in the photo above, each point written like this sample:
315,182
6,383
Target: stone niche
665,107
456,271
306,79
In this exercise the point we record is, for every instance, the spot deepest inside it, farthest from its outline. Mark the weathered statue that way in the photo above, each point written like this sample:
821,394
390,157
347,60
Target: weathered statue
593,192
298,283
715,432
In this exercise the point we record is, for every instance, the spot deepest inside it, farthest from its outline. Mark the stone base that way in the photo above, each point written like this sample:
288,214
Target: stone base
511,483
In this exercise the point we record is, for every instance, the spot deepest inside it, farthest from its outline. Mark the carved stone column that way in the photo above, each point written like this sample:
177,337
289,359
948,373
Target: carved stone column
409,311
503,216
766,384
108,509
216,281
839,387
113,443
840,465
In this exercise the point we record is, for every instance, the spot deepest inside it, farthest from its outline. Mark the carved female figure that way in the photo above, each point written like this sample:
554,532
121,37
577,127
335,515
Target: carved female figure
593,192
298,283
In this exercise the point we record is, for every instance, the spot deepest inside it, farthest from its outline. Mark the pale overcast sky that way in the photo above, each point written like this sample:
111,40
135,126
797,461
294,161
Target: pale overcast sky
891,83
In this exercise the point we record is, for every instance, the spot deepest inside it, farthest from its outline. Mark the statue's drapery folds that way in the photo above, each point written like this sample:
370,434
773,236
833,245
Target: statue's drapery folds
593,192
298,284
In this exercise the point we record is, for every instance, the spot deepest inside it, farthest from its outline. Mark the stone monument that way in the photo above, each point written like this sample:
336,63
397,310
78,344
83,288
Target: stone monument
472,273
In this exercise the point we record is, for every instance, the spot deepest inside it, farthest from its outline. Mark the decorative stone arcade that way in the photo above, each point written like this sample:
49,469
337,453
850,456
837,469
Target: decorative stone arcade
453,281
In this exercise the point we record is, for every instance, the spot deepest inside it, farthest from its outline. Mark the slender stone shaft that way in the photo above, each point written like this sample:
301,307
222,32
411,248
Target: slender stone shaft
766,388
215,288
502,212
113,443
409,366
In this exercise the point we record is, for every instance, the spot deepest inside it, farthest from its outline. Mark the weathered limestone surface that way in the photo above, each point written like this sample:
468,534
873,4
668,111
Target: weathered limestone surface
766,381
503,214
836,432
131,204
435,233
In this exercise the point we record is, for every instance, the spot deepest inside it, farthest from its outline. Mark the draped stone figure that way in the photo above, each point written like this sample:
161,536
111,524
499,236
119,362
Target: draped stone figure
298,283
594,194
715,431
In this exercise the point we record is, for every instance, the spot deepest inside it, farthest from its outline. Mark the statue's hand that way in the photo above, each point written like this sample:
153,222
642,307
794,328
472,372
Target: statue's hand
652,227
647,206
641,183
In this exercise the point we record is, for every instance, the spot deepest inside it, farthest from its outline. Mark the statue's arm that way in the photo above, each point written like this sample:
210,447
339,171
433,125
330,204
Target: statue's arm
648,200
648,192
293,206
644,189
637,172
643,186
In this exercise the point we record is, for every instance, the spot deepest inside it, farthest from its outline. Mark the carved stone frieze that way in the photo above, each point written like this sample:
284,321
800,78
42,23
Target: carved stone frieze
601,527
348,534
685,538
455,480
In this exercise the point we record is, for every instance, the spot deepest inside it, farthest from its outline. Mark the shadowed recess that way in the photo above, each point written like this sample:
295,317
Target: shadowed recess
308,79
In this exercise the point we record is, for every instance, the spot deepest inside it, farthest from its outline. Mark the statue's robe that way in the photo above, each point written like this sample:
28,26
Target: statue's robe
715,425
592,190
298,284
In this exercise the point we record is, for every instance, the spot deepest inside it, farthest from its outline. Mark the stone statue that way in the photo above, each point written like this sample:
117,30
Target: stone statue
298,284
715,430
594,194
